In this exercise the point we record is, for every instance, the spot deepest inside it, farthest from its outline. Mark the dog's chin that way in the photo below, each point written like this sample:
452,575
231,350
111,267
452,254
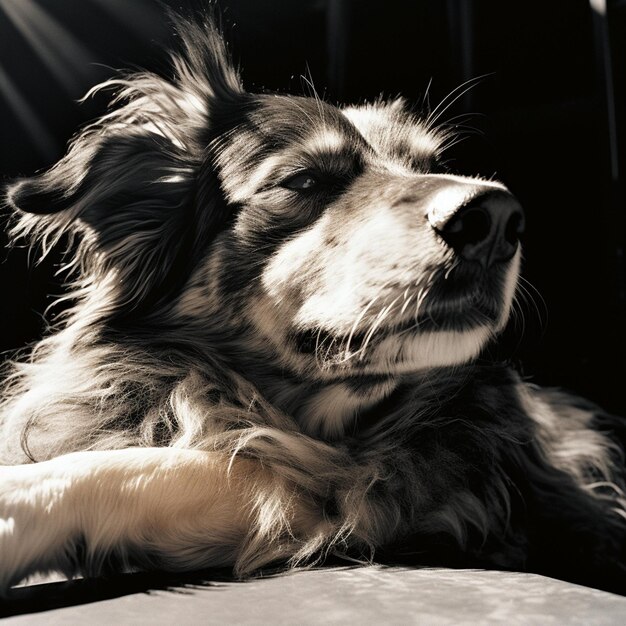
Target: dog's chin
407,353
434,341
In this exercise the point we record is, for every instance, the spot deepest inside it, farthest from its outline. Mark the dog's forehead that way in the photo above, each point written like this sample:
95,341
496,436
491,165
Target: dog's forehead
393,133
305,122
375,129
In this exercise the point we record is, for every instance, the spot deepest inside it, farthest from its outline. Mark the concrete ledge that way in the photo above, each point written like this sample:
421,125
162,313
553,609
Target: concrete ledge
359,595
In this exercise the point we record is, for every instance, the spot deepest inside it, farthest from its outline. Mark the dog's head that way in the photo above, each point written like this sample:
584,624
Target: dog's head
330,240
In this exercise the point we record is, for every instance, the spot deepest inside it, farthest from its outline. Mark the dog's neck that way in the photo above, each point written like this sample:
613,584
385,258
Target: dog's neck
325,409
331,410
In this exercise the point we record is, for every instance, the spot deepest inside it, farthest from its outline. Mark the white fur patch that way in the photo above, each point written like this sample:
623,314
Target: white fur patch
329,412
400,354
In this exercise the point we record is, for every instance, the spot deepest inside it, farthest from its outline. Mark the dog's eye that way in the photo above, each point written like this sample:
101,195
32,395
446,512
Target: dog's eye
305,180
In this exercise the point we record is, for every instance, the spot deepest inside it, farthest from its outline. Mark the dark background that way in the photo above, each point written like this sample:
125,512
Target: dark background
547,119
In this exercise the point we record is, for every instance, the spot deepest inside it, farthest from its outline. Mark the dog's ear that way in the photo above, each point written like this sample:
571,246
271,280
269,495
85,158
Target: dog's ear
128,182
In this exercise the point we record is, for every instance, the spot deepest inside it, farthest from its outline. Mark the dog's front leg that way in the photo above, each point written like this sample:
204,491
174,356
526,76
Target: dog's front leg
145,507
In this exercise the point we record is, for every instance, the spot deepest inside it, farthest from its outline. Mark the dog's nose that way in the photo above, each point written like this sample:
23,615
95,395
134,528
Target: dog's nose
486,229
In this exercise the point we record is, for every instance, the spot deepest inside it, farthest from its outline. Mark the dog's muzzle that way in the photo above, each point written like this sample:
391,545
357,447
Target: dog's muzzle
484,228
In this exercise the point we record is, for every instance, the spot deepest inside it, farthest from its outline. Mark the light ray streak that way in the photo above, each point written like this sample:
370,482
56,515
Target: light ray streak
140,17
41,138
64,56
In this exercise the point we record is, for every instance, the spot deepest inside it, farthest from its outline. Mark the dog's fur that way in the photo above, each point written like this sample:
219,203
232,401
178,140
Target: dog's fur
275,352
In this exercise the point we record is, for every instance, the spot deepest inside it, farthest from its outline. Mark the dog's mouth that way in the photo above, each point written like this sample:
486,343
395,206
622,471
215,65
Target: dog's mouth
459,313
457,305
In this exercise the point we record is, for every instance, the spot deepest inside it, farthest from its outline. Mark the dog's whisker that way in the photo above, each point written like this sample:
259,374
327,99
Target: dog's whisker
532,292
458,121
527,296
452,97
381,317
361,316
450,144
426,96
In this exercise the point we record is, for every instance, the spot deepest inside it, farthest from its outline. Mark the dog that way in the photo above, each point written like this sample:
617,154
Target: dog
277,351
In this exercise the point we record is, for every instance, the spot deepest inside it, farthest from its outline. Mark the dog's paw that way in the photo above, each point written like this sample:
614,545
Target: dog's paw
33,535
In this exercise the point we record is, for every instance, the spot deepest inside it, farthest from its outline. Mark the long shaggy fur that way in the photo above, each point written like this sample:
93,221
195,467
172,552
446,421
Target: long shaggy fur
293,341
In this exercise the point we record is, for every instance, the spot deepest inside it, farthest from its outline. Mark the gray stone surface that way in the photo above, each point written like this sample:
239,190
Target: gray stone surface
360,595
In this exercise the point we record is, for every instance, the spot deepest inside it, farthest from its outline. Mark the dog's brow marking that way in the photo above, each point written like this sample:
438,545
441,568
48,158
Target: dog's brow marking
256,178
326,140
385,129
367,119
